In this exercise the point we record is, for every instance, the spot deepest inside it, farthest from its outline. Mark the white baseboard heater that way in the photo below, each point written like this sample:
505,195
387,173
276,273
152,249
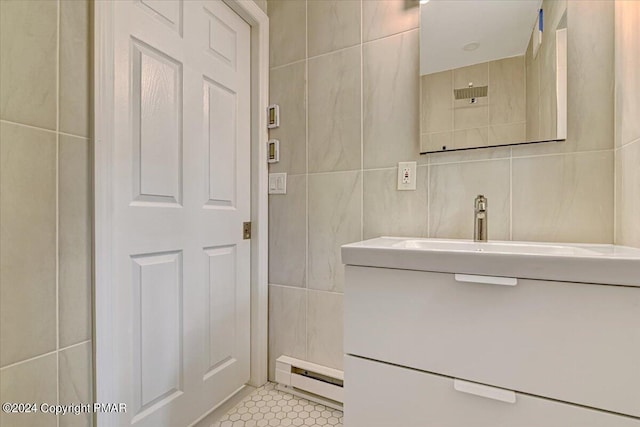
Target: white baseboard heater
310,381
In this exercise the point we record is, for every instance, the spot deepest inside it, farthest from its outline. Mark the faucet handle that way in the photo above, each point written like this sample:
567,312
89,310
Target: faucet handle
480,220
480,203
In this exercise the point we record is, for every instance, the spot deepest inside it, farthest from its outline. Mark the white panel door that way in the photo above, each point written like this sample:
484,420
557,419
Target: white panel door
181,194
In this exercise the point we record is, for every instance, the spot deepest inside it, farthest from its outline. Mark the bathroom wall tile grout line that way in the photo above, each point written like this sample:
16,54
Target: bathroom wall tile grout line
431,162
569,153
511,193
306,180
336,171
388,36
297,61
44,130
626,144
48,353
31,359
361,121
616,174
306,289
386,168
324,291
615,185
469,161
474,127
362,42
429,157
85,138
57,303
428,200
488,98
342,49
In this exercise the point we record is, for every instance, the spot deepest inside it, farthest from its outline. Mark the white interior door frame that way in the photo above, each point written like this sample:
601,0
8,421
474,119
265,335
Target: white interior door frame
259,22
105,383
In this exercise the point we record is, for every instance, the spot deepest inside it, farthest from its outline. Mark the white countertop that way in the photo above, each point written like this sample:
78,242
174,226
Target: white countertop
571,262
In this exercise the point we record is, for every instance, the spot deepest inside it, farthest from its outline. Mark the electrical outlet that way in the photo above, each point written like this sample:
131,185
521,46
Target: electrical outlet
407,175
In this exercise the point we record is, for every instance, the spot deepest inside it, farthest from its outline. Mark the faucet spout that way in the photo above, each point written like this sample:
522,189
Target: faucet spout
480,231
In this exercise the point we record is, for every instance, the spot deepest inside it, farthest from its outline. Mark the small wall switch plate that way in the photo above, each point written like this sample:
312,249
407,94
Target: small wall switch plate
273,151
407,175
273,116
278,183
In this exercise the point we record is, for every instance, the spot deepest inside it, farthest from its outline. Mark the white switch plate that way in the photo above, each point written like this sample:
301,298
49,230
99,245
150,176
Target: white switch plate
278,183
407,175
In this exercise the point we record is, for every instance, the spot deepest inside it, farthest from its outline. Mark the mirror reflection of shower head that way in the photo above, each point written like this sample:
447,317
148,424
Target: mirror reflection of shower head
471,93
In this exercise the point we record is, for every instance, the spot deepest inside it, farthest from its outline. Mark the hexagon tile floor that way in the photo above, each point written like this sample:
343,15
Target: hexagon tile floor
268,407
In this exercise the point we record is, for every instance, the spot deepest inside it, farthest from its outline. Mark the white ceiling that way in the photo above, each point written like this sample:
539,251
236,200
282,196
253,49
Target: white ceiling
501,27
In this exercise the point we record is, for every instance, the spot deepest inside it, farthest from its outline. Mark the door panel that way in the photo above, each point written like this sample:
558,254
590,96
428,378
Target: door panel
158,300
222,39
182,192
157,331
167,12
220,116
156,98
221,306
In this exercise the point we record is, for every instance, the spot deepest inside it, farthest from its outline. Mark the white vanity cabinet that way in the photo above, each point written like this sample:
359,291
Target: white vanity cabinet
384,395
440,349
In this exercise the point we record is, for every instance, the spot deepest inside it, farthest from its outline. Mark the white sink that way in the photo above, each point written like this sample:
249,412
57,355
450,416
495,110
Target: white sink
494,247
585,263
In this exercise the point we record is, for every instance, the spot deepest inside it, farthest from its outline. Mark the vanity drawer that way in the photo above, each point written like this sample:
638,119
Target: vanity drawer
381,395
573,342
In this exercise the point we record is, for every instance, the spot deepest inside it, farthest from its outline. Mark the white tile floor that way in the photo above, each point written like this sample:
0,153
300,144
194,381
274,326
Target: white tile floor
268,407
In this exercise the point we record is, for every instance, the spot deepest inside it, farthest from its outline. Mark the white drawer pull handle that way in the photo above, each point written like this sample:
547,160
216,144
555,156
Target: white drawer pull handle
489,280
494,393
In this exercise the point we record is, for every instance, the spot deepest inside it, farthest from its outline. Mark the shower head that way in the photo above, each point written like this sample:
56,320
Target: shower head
471,92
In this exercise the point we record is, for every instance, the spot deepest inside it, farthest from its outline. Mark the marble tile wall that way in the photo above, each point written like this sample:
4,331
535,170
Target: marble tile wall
45,207
627,154
345,74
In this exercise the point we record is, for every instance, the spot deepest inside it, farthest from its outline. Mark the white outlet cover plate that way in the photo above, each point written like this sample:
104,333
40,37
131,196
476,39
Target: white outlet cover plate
407,175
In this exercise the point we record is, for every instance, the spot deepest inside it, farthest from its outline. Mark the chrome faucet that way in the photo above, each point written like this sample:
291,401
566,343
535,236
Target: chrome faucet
480,219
